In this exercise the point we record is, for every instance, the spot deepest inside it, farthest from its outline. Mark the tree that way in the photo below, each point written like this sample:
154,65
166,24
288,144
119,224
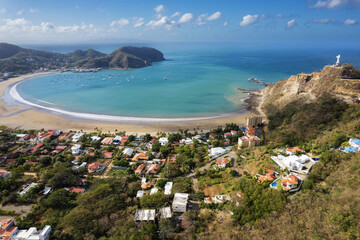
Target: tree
59,199
166,229
160,183
156,146
63,178
156,200
46,160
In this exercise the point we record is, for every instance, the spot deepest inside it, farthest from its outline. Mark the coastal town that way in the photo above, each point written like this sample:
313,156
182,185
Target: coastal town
171,169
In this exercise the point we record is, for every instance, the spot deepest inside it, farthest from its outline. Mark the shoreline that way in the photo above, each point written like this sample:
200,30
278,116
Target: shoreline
22,116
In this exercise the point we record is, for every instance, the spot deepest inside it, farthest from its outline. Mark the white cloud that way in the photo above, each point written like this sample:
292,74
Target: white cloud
33,10
121,22
187,17
350,22
175,14
201,20
20,12
139,22
249,20
214,16
330,3
320,21
162,22
291,23
225,24
3,11
159,8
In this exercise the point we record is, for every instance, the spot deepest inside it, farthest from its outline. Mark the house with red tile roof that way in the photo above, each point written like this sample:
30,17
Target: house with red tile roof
293,151
269,176
93,167
213,135
31,163
147,168
107,154
76,189
249,141
57,150
222,163
140,156
107,140
289,182
228,134
8,229
233,132
171,159
250,131
36,148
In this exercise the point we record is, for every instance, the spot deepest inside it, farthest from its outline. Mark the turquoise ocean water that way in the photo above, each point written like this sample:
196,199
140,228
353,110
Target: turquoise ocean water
201,79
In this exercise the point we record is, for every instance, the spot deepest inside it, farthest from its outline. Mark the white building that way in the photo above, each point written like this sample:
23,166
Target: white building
163,141
145,215
153,191
128,151
25,190
217,151
77,137
168,187
180,202
140,193
165,212
33,234
293,162
95,138
76,149
117,139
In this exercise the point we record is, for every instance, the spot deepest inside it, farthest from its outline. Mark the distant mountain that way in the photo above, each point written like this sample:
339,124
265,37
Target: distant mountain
20,60
124,58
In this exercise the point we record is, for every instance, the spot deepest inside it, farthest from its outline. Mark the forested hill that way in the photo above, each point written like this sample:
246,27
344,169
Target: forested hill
19,60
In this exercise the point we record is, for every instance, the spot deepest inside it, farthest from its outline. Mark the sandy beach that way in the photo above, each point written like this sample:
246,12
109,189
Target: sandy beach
28,117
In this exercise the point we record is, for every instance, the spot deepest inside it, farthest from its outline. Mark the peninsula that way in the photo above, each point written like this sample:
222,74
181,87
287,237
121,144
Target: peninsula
17,60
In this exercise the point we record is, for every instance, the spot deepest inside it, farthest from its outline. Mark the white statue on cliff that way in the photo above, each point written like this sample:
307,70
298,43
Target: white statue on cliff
337,64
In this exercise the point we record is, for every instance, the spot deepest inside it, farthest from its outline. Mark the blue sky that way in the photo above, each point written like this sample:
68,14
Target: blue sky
306,22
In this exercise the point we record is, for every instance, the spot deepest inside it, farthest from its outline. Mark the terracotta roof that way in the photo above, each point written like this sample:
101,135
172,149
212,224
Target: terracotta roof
76,189
222,161
107,154
291,179
94,165
146,185
107,140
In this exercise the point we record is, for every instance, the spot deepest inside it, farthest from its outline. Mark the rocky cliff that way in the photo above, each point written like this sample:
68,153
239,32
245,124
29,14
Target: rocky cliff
341,82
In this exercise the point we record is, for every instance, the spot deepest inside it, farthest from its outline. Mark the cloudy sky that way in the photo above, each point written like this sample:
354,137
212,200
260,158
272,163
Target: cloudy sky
318,22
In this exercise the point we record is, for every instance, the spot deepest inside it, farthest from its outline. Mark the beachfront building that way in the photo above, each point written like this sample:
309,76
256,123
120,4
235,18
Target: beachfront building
95,138
180,202
253,120
248,141
117,139
77,137
76,149
163,141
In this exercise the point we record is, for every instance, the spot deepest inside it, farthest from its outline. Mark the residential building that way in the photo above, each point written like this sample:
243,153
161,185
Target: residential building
180,202
217,151
107,154
33,234
140,156
153,191
76,189
354,142
140,193
213,135
36,148
27,188
289,182
246,141
128,152
77,136
222,163
168,187
164,212
5,175
8,229
147,168
163,141
269,176
94,167
107,140
95,138
145,215
117,139
227,135
76,149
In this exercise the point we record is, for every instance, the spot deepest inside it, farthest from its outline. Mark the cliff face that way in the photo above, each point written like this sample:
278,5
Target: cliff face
341,82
